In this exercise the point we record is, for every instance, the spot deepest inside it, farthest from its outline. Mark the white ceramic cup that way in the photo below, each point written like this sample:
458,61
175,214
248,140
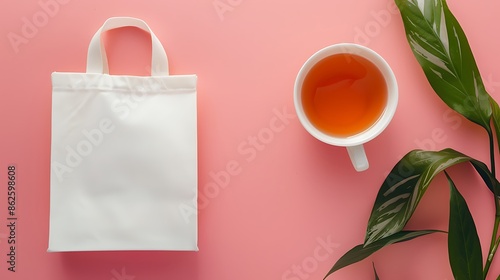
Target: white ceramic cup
354,143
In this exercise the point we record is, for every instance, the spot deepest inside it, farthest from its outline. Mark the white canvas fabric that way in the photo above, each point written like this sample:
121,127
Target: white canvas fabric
123,155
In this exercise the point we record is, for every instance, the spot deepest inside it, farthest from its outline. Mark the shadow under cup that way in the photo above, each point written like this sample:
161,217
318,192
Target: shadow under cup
345,95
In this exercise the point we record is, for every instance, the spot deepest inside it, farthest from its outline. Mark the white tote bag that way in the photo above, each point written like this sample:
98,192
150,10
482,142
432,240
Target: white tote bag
124,156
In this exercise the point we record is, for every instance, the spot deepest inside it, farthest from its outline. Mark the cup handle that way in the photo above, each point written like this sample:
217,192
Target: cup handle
358,157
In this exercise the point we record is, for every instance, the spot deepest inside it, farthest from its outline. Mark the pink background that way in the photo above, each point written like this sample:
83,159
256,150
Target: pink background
293,193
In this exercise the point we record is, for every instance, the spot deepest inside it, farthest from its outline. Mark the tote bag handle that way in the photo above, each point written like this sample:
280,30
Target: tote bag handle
97,61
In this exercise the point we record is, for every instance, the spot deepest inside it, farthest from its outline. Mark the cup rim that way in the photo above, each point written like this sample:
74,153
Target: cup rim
376,128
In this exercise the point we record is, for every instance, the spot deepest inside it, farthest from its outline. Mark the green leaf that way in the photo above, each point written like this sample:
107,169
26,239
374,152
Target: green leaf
361,251
485,173
375,271
405,186
464,248
441,47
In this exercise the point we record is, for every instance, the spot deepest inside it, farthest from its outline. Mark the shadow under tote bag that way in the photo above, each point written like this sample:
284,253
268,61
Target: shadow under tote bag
123,155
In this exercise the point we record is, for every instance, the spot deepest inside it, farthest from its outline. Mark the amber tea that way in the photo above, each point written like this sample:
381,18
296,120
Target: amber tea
344,94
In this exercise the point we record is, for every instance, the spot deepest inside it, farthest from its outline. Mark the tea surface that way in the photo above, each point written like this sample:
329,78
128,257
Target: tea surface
344,94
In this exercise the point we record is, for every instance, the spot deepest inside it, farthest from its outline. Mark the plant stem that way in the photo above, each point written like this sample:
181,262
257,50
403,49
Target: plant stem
496,191
492,153
493,247
494,240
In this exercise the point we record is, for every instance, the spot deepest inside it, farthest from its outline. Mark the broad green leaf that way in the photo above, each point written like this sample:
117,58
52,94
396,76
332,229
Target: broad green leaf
363,251
464,248
405,186
441,47
375,271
